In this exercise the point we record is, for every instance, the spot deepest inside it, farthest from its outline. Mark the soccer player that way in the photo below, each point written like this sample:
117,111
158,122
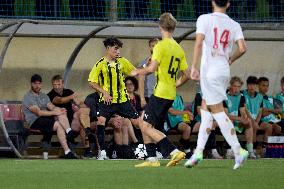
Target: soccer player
215,36
107,78
167,60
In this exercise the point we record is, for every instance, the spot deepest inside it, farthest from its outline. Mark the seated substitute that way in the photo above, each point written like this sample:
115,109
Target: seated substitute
254,105
42,115
237,113
269,113
175,121
280,99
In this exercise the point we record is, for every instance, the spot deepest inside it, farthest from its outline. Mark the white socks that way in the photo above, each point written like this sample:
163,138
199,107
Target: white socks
204,130
228,131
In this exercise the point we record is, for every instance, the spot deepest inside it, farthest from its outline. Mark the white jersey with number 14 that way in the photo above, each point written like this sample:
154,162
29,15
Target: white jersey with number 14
221,32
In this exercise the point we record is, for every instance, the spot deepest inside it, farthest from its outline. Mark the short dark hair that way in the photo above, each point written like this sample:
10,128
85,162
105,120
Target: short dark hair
221,3
56,78
133,80
112,41
36,78
282,80
252,80
261,79
153,40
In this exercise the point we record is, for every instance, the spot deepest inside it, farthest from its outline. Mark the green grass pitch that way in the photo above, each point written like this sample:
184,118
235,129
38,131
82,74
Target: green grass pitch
94,174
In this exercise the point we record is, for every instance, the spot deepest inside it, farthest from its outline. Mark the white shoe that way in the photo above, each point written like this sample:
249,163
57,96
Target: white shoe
102,155
159,155
195,159
252,155
216,155
241,158
230,154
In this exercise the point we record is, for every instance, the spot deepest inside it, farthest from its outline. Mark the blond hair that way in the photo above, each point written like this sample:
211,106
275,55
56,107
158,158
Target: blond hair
236,79
167,22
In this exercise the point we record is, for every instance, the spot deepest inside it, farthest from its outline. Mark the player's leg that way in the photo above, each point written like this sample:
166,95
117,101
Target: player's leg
185,130
249,138
203,134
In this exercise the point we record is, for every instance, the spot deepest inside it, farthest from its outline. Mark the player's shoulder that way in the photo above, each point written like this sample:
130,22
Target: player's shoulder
122,59
204,17
99,62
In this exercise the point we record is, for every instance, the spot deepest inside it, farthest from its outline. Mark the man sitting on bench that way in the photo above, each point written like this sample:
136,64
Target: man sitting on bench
42,115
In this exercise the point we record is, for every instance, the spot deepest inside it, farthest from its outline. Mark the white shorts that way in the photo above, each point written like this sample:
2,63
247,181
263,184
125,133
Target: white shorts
214,89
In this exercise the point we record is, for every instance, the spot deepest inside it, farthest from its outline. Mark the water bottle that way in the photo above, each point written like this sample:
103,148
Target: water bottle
45,155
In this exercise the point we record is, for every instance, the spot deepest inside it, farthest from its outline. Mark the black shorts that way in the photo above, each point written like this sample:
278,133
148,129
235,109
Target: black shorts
156,110
124,109
44,124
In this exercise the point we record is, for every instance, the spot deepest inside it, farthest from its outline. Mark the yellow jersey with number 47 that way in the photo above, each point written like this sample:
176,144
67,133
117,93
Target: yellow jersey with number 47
171,59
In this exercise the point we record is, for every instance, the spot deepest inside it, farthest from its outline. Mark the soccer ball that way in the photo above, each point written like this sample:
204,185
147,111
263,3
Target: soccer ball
140,152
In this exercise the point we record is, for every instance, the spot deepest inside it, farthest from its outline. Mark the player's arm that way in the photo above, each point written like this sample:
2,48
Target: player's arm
194,74
63,100
151,68
259,115
183,78
94,83
36,110
172,111
239,51
141,84
98,88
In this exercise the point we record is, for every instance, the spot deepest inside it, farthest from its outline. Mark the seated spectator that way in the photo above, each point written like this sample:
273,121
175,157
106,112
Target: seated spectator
237,113
42,115
269,112
195,124
280,97
78,115
175,117
254,105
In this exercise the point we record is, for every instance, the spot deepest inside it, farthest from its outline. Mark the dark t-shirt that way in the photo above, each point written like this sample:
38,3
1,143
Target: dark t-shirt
68,106
136,103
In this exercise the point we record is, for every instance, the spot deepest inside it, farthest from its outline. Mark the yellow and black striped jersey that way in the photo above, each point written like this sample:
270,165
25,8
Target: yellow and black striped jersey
171,59
110,76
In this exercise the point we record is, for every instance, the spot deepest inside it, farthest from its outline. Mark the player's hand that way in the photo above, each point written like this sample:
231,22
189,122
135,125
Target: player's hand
143,102
190,115
245,121
134,73
59,111
107,98
117,122
194,74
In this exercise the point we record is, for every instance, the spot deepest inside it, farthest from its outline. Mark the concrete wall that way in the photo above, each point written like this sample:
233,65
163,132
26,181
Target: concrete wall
48,56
